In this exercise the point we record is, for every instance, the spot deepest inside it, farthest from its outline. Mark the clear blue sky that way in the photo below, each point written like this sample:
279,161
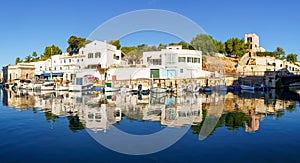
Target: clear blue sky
31,25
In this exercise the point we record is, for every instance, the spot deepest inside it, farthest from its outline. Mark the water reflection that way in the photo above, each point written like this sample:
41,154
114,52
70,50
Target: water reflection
205,112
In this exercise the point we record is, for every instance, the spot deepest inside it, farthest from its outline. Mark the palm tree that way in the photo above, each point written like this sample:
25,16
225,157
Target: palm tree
34,54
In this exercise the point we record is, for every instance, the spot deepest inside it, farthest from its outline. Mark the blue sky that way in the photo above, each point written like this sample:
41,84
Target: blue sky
31,25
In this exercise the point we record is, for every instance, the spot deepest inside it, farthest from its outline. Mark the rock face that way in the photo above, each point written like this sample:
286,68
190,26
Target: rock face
220,63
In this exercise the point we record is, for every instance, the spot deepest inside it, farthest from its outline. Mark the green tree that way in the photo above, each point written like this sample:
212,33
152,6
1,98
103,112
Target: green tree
28,59
50,51
75,43
161,46
34,54
127,49
18,60
219,46
279,53
204,43
115,43
291,58
237,47
184,45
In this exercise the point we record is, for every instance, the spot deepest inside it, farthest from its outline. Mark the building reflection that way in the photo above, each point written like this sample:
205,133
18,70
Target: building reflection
98,112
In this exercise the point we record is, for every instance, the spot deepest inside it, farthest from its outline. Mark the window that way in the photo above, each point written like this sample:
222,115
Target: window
249,39
82,52
55,68
79,81
90,55
98,55
156,61
60,68
77,60
181,70
195,60
182,59
171,59
189,59
65,61
70,60
81,60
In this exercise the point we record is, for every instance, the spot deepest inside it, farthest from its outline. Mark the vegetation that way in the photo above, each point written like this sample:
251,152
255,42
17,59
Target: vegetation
75,43
115,43
237,47
279,53
34,54
18,60
50,51
291,58
205,43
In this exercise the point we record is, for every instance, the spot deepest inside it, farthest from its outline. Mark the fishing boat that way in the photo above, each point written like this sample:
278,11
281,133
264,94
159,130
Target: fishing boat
48,86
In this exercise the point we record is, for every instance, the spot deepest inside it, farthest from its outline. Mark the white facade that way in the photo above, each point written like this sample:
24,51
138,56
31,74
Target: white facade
175,62
98,52
276,64
89,57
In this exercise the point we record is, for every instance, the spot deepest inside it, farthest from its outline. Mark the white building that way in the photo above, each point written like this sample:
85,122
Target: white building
66,66
174,62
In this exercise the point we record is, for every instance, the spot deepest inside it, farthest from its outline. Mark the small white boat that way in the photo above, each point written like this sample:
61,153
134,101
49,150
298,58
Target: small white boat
34,86
109,88
207,89
247,87
158,90
61,88
48,86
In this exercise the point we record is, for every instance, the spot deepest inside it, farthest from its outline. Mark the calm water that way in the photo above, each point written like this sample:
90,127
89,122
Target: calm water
242,126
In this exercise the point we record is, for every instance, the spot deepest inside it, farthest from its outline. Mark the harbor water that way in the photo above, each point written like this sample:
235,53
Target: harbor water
218,126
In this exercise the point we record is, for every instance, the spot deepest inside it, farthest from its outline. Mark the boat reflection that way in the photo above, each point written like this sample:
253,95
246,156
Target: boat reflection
204,112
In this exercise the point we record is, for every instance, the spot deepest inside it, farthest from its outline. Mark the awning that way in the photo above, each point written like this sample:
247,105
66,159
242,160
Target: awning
53,74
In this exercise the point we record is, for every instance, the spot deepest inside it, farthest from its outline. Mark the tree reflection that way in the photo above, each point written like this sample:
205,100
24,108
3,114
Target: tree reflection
75,124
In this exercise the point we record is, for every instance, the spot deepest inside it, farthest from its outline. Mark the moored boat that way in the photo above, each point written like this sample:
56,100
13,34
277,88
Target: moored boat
48,86
158,90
